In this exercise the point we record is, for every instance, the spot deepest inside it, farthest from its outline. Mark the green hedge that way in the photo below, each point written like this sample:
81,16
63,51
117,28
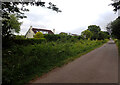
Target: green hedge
51,37
29,41
60,37
7,43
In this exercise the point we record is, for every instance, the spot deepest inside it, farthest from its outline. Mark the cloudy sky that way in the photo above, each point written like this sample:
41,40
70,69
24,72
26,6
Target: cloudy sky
75,17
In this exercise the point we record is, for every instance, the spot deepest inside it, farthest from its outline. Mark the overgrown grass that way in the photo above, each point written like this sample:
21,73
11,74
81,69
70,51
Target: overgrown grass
118,44
24,63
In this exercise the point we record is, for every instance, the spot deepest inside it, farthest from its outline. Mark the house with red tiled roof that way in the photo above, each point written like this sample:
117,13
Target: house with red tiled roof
32,31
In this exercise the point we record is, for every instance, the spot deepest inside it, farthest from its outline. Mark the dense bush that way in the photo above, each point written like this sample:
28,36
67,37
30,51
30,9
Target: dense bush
19,37
51,37
87,34
29,41
39,35
61,37
21,41
22,63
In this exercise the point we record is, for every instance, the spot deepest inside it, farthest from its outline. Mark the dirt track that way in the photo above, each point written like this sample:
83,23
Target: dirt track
98,66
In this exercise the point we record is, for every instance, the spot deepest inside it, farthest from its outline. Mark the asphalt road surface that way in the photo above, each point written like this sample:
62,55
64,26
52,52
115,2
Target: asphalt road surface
98,66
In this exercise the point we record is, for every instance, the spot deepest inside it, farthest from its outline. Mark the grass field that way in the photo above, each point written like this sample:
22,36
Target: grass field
24,63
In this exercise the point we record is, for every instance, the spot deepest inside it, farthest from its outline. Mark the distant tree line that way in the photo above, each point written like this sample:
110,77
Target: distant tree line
94,32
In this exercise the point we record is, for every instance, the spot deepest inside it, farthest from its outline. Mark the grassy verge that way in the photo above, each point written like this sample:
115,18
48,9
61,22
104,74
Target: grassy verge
119,47
118,44
77,56
24,63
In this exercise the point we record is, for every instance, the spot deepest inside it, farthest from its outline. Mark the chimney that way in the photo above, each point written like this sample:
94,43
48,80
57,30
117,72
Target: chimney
30,27
54,31
118,12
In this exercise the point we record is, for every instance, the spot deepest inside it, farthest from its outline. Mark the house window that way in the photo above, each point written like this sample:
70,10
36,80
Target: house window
41,31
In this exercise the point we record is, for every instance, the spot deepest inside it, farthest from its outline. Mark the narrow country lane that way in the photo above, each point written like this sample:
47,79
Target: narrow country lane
98,66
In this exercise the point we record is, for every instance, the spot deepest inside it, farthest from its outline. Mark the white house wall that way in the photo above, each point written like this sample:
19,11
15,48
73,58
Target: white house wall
30,34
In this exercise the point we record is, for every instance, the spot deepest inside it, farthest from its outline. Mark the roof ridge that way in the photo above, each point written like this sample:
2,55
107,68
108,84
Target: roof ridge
40,29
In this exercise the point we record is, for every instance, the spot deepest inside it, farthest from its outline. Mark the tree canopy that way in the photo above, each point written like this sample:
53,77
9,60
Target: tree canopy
87,34
116,5
14,23
103,35
94,28
115,27
94,32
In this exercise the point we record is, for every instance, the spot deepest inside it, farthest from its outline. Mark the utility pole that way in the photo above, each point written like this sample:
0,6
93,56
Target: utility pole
54,31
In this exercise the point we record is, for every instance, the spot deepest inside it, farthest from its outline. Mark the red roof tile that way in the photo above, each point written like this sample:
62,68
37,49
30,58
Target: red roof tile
35,30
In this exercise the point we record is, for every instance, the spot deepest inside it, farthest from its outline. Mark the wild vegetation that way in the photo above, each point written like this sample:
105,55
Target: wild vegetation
22,63
118,44
27,58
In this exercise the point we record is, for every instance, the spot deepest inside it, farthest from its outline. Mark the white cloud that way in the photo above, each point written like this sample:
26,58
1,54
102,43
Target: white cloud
76,15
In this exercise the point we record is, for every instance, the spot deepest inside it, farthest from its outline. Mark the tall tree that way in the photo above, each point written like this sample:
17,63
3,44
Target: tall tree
15,23
95,30
12,24
115,26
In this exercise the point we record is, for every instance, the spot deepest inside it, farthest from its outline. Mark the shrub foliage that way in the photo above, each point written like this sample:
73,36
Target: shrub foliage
22,63
39,35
